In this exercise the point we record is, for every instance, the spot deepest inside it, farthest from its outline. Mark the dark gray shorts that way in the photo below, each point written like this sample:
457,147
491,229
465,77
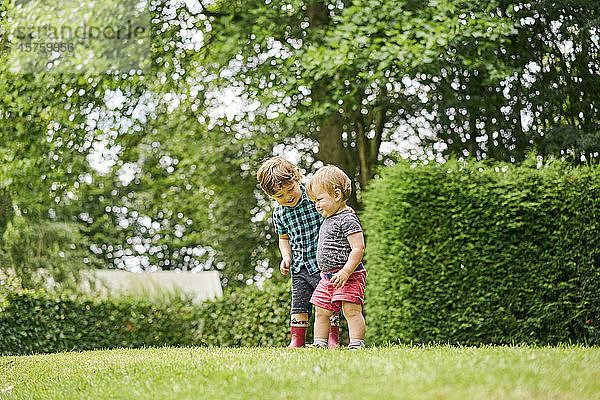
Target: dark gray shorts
303,286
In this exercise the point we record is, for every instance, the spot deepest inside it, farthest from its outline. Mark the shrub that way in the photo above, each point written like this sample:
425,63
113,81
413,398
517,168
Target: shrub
248,317
251,317
40,322
483,254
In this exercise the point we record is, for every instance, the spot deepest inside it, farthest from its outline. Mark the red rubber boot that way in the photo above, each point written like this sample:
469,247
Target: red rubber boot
298,336
333,341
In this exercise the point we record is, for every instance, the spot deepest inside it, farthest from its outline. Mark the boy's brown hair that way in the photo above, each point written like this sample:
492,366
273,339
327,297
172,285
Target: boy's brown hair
330,178
275,173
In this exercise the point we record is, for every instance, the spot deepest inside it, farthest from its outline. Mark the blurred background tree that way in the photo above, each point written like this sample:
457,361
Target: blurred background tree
155,166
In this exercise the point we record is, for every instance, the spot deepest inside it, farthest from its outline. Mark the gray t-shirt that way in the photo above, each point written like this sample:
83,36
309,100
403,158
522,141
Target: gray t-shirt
333,247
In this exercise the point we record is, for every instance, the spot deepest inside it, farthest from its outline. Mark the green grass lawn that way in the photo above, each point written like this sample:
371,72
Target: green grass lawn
434,372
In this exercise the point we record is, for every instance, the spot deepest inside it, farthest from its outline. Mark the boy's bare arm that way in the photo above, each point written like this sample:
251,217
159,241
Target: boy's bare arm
357,244
286,254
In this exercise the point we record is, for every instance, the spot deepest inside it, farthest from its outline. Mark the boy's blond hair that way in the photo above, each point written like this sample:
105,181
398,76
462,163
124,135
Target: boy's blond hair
275,173
330,178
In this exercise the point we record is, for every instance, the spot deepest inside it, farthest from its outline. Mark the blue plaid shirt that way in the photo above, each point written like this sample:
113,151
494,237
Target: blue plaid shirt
301,223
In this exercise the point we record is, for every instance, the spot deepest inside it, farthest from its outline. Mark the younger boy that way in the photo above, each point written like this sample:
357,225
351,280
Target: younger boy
339,253
297,223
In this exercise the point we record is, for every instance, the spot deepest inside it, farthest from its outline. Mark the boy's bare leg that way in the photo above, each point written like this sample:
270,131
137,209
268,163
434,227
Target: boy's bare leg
356,320
303,317
322,316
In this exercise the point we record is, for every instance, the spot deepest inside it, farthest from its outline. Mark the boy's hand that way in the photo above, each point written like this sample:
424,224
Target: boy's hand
339,278
284,266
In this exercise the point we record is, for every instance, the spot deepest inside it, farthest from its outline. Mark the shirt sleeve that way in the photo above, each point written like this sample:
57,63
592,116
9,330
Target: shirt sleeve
350,224
280,227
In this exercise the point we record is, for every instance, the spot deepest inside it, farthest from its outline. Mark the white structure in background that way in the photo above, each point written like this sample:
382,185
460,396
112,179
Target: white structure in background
201,286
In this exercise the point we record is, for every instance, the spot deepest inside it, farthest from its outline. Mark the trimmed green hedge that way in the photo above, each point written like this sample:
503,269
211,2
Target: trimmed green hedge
252,317
483,254
38,322
248,317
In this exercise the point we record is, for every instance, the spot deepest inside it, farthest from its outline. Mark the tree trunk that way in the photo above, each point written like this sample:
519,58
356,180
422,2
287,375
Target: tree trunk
357,161
333,151
368,148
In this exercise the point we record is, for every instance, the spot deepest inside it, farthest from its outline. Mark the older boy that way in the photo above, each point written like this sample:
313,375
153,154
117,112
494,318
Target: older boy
339,253
297,223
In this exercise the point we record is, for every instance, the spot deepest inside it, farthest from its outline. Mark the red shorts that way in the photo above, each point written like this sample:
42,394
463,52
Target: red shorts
330,298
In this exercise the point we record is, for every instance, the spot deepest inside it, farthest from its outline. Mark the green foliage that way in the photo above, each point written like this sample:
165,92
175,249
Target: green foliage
48,121
38,322
45,253
35,321
484,253
331,80
6,212
191,202
339,73
527,81
248,317
570,143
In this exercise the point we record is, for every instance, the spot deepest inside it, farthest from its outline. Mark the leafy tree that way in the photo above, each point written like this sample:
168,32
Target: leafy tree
338,72
190,201
48,254
40,168
531,87
491,79
337,81
47,132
